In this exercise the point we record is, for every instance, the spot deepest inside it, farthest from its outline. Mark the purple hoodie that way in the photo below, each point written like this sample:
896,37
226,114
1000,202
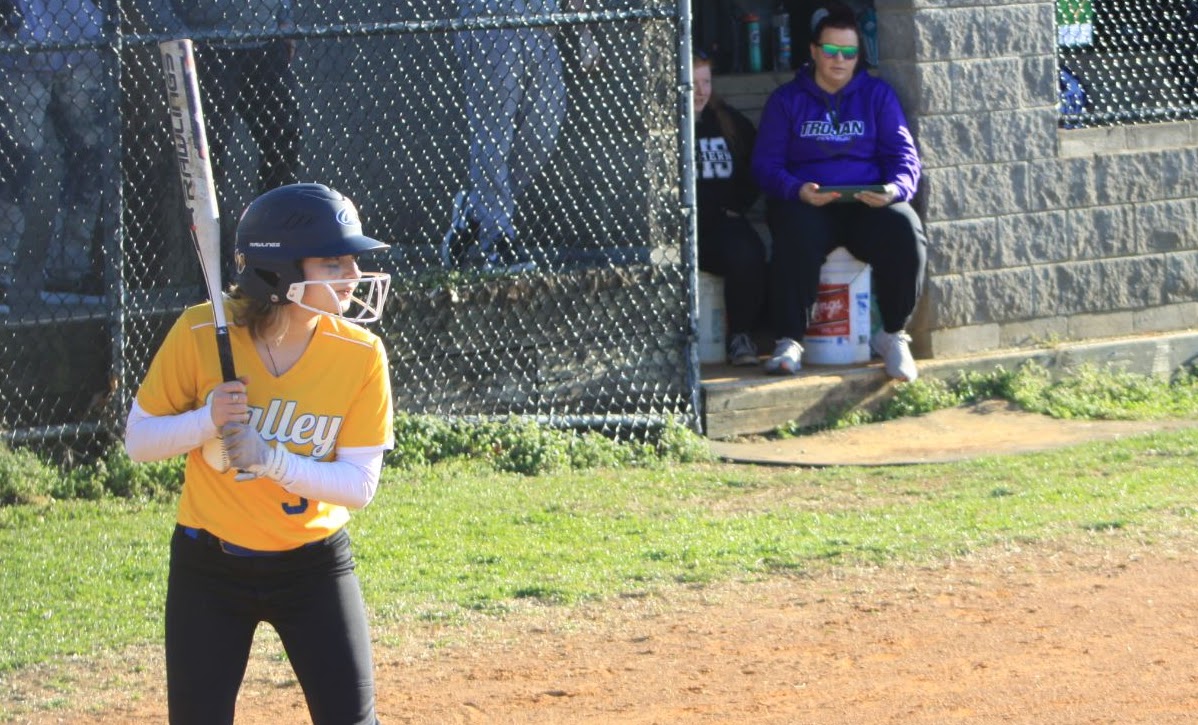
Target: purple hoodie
858,136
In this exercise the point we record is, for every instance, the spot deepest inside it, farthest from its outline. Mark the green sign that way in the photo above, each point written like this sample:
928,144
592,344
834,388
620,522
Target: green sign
1075,22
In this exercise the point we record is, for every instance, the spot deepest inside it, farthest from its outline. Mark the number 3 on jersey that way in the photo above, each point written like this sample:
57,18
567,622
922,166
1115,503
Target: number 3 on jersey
299,508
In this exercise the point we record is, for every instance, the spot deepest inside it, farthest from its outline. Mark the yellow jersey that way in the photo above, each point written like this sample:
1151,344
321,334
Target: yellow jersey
337,395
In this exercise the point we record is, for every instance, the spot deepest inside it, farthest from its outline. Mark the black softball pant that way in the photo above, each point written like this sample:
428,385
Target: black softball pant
311,597
890,239
260,86
730,247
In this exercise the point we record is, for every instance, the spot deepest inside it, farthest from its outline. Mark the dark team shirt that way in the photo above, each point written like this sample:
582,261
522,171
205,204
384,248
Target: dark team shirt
723,173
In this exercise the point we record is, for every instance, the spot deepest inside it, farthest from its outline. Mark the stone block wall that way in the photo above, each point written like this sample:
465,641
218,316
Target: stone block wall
1037,233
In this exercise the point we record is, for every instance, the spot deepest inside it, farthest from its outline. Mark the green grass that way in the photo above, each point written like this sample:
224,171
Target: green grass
80,576
444,541
479,518
1088,392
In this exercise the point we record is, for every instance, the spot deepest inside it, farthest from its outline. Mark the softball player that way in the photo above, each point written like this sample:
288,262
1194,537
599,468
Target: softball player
260,534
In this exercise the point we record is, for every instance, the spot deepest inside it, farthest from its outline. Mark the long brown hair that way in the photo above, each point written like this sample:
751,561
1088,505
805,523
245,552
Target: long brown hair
723,116
258,315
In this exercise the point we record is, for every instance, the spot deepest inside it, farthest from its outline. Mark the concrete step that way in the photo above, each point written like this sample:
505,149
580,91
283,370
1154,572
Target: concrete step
746,401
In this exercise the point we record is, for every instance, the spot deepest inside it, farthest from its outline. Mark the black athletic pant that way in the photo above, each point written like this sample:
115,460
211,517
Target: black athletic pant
311,597
730,247
259,86
890,239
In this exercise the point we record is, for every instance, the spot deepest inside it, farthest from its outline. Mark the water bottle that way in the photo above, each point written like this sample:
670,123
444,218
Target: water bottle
869,29
781,23
753,30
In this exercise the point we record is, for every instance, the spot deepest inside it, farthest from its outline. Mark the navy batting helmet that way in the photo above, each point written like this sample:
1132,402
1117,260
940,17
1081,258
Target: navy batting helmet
294,222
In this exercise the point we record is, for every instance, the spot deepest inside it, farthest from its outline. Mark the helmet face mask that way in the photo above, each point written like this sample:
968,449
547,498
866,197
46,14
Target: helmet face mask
300,221
369,304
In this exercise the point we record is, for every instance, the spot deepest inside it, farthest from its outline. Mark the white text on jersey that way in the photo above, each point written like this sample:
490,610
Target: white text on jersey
715,159
275,424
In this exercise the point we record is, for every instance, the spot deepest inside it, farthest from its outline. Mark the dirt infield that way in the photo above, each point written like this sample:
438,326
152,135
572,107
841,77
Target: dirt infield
1101,632
1098,630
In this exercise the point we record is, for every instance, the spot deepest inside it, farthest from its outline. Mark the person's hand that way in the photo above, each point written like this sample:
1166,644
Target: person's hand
251,454
878,199
589,56
811,194
289,44
10,18
228,403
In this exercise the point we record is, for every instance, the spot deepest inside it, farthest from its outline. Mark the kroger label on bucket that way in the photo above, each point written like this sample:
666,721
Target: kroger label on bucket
838,327
830,318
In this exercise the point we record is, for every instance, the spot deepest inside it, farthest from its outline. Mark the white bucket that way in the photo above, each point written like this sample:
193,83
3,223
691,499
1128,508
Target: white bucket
712,318
839,326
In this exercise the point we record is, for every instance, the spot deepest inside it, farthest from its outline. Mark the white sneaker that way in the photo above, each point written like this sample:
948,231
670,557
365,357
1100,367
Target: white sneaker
787,359
741,350
896,355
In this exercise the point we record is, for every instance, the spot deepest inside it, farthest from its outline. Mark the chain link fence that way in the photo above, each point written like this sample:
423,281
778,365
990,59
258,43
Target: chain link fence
523,159
1127,61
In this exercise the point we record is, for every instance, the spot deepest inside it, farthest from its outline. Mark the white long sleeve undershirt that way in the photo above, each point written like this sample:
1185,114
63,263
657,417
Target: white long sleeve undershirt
351,480
158,437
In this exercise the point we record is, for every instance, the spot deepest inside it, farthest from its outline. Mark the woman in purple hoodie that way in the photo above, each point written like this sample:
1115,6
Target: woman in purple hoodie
833,126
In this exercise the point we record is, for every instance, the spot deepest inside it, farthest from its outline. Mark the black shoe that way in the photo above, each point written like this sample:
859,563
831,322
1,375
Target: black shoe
741,350
89,290
506,257
462,233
